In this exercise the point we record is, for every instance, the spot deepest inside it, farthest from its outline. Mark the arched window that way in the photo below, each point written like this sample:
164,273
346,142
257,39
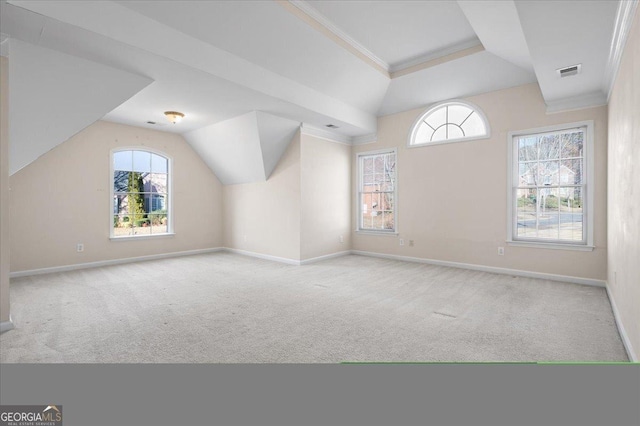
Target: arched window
451,121
141,190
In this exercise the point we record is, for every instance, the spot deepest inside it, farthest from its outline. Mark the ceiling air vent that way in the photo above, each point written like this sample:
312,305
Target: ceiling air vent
151,122
331,126
569,71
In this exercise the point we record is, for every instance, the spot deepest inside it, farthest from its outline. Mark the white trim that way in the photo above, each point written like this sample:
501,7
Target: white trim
309,130
110,262
624,20
169,207
437,54
377,233
325,257
623,333
491,269
263,256
418,121
142,237
553,246
358,155
325,22
7,325
364,139
589,100
588,212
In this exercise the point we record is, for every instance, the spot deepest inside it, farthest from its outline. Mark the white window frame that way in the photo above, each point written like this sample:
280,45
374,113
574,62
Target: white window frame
588,205
170,218
420,119
358,209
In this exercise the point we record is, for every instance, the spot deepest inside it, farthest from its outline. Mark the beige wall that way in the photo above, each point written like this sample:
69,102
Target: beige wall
265,217
326,197
62,199
452,197
4,189
624,188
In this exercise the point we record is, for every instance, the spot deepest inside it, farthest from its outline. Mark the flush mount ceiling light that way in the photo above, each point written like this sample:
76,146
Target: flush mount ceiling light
174,116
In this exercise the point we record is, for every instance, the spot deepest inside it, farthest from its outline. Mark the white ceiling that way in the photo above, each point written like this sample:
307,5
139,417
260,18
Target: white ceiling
400,32
216,60
72,93
575,33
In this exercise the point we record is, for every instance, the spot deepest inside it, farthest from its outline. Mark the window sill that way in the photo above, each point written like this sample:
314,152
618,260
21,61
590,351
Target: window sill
143,237
387,234
553,246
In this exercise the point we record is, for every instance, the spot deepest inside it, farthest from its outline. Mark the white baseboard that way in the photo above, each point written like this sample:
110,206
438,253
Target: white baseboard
100,263
6,325
325,257
623,333
493,269
286,260
263,256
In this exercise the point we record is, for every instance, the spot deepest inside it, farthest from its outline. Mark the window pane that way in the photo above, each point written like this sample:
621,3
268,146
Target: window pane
389,220
123,160
572,143
141,161
120,181
141,224
528,174
549,147
526,213
527,149
158,223
571,172
548,225
159,164
474,126
158,183
377,177
120,204
121,225
437,118
440,134
423,134
547,173
458,114
454,132
571,226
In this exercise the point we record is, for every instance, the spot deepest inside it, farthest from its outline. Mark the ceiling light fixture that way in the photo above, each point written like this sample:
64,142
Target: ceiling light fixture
174,116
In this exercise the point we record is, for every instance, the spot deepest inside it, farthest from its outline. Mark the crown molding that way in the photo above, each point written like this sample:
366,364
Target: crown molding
309,130
313,13
437,54
624,20
364,139
573,103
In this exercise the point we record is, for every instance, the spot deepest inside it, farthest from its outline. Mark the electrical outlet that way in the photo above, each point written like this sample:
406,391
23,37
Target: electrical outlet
401,242
341,239
500,251
245,238
80,247
410,243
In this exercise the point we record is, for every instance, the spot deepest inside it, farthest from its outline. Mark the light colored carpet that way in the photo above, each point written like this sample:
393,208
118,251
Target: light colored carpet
227,308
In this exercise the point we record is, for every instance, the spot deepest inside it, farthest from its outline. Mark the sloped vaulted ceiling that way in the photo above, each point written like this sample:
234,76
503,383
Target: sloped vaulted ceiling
336,65
244,149
53,96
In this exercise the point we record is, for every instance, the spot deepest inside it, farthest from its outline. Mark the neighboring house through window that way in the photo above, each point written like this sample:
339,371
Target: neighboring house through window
141,190
377,191
451,121
551,189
